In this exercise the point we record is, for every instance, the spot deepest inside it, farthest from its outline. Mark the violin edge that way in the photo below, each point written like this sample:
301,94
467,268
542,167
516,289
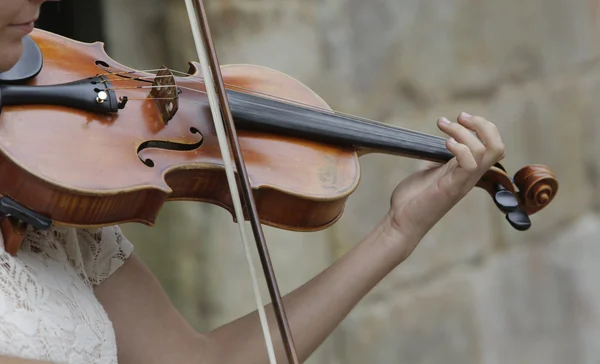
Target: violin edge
142,204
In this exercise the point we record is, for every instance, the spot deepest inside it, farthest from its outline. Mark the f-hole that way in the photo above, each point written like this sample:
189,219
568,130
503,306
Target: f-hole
161,144
102,65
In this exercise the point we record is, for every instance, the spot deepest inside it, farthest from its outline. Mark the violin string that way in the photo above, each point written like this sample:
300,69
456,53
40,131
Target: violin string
432,141
425,139
282,99
415,136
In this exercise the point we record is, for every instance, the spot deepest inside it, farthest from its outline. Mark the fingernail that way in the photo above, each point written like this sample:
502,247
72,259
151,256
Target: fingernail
465,115
445,121
452,141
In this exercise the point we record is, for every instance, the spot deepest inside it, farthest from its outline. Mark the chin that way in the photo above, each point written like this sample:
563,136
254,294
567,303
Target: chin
9,54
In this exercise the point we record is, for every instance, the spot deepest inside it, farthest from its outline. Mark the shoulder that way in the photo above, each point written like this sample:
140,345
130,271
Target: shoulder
94,253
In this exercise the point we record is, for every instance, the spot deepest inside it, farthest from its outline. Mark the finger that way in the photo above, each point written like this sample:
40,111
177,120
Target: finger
463,155
463,136
486,131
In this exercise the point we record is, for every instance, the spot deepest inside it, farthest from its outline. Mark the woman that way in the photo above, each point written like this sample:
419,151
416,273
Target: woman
82,296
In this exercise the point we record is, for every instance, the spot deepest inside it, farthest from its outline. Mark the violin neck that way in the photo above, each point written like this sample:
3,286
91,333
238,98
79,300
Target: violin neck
365,136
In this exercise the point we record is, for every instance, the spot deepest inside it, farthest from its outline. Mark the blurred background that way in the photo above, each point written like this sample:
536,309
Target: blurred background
475,291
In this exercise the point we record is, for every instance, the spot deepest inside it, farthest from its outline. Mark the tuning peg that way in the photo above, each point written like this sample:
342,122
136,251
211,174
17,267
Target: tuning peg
505,200
519,220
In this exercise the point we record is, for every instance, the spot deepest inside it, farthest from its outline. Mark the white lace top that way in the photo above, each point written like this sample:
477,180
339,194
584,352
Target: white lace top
48,310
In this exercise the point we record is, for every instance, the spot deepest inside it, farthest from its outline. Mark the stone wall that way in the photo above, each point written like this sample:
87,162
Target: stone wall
475,291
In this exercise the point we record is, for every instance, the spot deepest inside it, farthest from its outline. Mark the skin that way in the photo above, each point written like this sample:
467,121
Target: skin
150,330
14,13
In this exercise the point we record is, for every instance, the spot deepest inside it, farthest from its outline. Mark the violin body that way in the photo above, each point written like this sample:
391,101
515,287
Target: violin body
82,168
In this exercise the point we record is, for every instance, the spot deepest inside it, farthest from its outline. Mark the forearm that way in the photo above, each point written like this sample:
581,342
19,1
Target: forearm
12,360
149,329
315,309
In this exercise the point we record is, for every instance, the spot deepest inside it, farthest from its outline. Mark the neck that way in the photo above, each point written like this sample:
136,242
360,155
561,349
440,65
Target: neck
256,113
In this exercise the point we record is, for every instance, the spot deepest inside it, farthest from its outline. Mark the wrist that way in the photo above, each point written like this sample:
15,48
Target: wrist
398,241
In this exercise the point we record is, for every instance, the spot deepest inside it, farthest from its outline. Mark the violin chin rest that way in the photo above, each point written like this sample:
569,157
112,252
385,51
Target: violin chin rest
27,67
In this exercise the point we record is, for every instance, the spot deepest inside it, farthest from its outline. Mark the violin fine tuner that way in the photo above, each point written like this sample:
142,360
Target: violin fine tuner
102,96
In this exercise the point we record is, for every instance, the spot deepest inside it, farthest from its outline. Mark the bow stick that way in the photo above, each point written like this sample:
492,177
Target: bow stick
227,137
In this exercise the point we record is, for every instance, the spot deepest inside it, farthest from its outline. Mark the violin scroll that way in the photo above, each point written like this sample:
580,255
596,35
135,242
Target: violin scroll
532,188
537,185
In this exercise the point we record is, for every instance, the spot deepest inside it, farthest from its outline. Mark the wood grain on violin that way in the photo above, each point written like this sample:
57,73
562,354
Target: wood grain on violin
302,158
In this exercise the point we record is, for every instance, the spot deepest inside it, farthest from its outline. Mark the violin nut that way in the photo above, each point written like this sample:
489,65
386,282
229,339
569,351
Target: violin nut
102,96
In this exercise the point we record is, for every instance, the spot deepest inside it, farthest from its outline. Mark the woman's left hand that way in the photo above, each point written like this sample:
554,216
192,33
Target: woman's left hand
423,198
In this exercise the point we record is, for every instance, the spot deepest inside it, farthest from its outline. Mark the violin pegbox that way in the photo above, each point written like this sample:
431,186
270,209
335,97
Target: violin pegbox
531,189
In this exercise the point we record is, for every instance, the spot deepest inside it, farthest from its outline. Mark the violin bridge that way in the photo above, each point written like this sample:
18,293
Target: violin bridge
164,91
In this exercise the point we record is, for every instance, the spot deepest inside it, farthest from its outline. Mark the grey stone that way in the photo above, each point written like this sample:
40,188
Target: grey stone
535,303
539,303
427,325
590,117
138,44
466,49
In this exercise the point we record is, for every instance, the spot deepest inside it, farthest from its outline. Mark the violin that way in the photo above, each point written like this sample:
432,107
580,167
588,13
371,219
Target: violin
86,141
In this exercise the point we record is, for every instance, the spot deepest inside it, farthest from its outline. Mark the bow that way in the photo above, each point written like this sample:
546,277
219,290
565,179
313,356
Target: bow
229,144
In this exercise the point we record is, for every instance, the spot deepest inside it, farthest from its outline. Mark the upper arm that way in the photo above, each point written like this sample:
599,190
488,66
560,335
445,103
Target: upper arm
147,326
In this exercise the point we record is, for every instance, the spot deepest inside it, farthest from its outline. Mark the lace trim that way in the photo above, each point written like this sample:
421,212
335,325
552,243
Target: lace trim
48,310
